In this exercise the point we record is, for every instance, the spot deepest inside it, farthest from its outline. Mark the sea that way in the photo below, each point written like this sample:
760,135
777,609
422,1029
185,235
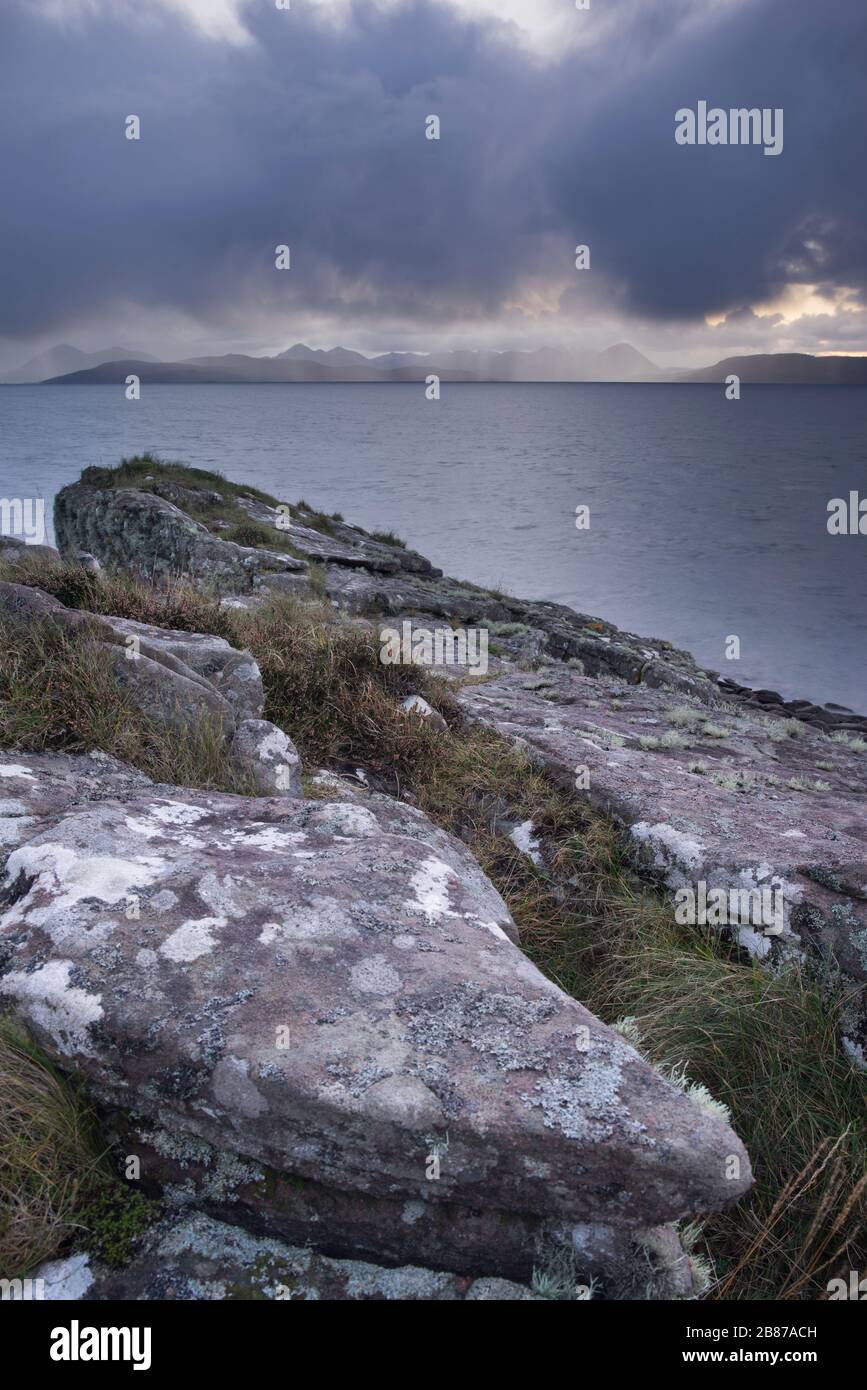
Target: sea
700,519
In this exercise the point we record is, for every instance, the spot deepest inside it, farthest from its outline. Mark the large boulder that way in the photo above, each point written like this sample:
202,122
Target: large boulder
327,996
180,681
233,674
152,537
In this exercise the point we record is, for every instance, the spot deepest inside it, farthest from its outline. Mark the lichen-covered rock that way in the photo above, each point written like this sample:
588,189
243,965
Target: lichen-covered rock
172,699
152,537
328,991
191,1257
268,757
37,786
233,674
340,544
727,796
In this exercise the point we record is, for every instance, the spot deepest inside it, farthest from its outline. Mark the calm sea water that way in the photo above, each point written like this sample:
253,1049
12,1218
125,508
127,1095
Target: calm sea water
707,517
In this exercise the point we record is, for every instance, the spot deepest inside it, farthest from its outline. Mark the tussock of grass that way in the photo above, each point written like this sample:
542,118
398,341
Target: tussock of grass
254,533
57,1188
326,686
686,715
767,1048
779,730
48,1156
670,739
388,538
854,742
59,693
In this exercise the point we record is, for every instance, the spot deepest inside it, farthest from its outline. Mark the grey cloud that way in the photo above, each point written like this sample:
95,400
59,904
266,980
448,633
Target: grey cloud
314,136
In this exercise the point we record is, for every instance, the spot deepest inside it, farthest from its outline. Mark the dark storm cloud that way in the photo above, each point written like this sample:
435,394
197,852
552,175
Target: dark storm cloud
314,136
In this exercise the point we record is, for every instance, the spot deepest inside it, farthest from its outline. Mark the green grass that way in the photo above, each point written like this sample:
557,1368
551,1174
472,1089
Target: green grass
766,1047
254,533
170,604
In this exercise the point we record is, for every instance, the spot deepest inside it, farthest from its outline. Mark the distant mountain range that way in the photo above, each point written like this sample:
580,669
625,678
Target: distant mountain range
60,360
69,366
788,368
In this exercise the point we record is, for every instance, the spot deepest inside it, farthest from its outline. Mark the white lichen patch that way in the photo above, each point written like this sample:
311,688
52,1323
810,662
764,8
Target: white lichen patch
752,941
55,1006
162,816
12,828
192,939
430,886
66,1280
522,839
670,846
268,837
276,745
323,919
588,1106
16,770
69,877
344,818
495,930
855,1052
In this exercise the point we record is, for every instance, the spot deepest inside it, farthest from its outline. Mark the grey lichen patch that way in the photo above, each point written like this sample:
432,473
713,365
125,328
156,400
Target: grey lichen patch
859,941
583,1101
496,1025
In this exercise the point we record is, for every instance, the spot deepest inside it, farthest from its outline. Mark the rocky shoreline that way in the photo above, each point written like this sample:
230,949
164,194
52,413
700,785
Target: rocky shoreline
303,1006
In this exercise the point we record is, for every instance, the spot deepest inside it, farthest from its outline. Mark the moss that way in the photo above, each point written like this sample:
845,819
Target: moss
115,1217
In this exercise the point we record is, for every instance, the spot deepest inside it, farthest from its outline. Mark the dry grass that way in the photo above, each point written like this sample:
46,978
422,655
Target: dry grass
170,604
58,693
48,1156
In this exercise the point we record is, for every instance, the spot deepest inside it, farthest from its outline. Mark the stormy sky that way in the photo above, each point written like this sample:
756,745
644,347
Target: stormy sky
306,127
